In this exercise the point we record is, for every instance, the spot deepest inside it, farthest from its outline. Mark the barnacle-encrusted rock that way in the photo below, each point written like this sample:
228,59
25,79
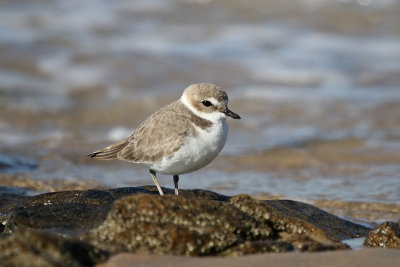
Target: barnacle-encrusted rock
38,248
76,210
386,235
85,226
241,225
177,225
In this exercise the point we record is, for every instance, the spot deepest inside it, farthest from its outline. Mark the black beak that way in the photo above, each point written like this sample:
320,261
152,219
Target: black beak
231,114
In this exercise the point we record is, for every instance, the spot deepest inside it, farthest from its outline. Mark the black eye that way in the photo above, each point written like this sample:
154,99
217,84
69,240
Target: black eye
206,103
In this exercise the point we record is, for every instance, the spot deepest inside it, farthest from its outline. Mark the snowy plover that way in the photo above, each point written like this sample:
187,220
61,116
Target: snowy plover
181,137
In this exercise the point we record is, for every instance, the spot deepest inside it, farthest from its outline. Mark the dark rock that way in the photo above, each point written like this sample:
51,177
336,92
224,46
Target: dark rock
198,222
386,235
305,243
74,210
9,200
66,210
35,248
297,243
259,246
187,226
193,194
331,225
176,225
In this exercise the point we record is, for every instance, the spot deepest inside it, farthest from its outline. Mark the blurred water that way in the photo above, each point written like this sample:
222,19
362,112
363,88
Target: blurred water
78,75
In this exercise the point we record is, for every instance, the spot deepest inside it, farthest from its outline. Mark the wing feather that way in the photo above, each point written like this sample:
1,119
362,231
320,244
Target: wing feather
109,152
160,135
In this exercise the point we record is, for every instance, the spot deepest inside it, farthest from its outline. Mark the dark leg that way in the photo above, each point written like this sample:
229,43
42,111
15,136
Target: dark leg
176,179
153,174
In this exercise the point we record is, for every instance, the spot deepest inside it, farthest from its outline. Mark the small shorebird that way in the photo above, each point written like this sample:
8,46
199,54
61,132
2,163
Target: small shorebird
181,137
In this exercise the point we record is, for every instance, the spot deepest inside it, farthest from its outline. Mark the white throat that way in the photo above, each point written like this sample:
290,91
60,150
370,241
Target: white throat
214,117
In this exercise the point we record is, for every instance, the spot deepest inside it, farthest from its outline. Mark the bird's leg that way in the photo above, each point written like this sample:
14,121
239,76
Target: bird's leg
153,174
176,179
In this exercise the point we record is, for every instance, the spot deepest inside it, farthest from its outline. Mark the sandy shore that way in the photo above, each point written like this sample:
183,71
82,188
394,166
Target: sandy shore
364,258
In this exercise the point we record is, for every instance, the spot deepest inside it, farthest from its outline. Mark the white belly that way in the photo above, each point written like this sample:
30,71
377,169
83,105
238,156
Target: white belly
197,151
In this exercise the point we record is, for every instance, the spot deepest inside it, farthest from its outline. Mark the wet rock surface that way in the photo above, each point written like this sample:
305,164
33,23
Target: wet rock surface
64,211
386,235
284,212
177,225
86,226
36,248
241,225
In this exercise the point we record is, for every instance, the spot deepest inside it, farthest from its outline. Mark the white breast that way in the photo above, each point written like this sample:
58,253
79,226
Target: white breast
196,152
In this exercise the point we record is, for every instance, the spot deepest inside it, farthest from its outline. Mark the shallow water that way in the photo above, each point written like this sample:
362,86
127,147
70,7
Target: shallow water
78,75
356,243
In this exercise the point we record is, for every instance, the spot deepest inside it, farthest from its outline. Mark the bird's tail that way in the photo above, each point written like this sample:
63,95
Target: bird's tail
109,152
